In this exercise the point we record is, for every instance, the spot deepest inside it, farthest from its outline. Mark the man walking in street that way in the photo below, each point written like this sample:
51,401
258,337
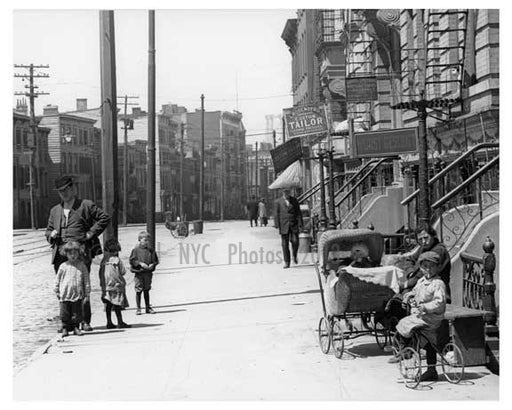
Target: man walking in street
252,210
288,219
79,220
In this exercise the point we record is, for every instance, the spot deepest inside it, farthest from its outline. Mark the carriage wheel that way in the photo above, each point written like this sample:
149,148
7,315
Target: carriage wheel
381,334
452,362
324,335
410,366
182,230
338,339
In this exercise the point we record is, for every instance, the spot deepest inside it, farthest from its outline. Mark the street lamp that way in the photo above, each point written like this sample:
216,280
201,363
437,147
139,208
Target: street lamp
332,210
321,152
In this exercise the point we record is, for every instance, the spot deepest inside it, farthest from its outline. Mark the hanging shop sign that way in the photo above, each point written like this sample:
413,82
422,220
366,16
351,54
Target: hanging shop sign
361,89
286,154
305,121
384,143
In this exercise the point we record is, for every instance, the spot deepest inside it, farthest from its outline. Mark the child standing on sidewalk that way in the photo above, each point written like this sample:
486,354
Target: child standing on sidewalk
72,287
113,284
143,261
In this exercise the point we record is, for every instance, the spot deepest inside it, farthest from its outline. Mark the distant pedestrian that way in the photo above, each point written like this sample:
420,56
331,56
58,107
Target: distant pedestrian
78,220
72,287
262,213
113,284
143,261
288,219
252,210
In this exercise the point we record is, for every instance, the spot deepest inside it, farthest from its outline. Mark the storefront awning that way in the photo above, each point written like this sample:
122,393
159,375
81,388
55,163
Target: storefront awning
341,128
291,177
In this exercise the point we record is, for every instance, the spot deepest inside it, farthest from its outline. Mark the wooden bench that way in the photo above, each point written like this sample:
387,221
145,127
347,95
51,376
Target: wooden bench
468,333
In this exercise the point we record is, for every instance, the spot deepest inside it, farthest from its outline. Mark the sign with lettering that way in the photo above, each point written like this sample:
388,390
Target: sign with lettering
361,89
385,143
286,154
305,120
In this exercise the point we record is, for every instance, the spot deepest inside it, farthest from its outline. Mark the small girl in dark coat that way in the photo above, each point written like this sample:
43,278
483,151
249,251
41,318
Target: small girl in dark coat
113,284
143,261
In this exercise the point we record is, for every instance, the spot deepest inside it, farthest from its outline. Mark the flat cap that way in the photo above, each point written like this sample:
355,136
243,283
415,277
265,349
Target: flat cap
429,256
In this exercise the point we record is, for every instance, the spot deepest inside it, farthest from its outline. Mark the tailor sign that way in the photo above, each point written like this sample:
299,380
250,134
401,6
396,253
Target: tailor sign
305,120
286,154
384,143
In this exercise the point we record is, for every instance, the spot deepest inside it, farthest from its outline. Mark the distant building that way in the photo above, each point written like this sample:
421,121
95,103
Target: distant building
73,147
24,147
260,172
224,134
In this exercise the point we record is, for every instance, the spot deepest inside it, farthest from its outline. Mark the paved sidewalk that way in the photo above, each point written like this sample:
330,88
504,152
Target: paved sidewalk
224,331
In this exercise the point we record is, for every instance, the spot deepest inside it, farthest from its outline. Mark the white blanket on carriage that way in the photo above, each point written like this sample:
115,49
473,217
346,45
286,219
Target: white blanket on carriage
389,276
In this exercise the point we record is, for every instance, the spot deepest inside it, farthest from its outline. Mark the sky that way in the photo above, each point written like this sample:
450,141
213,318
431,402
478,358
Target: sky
236,58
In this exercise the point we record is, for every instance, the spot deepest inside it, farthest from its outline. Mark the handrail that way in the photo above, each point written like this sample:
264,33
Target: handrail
444,171
472,258
361,180
314,189
466,183
359,172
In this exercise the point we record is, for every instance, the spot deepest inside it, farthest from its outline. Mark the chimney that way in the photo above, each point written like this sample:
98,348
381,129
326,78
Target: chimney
50,109
81,104
21,106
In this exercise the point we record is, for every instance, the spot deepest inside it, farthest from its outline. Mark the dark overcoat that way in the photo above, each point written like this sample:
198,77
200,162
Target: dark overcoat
287,217
89,218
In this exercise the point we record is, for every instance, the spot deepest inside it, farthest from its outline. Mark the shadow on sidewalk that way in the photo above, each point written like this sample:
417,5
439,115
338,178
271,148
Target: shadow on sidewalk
365,350
168,311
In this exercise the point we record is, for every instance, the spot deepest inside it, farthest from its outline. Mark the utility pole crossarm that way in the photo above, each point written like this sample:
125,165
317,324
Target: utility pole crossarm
33,144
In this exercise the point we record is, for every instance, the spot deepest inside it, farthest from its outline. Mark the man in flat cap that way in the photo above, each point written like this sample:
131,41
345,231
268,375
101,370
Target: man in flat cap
79,220
428,304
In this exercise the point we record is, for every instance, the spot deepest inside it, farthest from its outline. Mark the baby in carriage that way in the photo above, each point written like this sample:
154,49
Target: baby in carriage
360,256
428,304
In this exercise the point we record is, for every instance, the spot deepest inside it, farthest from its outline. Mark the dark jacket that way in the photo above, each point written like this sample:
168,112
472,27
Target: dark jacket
252,209
84,217
146,255
287,217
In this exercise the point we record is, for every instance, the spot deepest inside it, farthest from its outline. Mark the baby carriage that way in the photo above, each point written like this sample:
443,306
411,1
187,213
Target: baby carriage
354,288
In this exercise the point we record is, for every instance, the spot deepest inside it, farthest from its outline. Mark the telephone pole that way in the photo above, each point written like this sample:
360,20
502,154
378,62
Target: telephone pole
151,177
181,171
257,166
201,166
32,94
125,155
110,196
420,106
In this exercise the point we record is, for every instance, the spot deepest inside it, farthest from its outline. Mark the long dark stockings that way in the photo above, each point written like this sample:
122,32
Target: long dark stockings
146,298
117,309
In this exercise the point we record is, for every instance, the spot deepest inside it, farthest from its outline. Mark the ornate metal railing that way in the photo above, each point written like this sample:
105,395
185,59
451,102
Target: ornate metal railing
457,221
478,287
461,194
447,179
